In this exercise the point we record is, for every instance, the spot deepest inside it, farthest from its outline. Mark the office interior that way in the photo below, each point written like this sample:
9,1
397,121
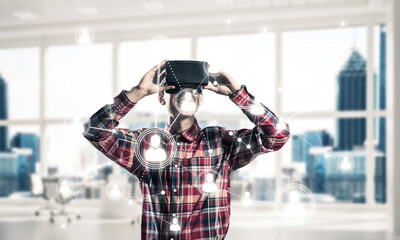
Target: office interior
327,67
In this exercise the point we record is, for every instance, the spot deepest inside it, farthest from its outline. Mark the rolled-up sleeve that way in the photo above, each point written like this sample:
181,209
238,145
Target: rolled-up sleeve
268,135
118,144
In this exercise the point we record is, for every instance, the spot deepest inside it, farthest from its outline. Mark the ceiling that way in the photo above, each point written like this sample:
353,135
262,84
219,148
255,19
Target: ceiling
32,12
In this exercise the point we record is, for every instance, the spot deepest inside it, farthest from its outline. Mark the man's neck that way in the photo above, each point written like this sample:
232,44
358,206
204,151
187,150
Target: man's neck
180,124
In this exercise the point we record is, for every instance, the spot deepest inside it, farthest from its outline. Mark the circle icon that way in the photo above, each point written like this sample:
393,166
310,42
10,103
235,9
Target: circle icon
294,204
155,148
84,36
186,101
346,163
115,190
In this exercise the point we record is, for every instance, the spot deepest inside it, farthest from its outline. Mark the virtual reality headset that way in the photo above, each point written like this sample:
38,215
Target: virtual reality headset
186,74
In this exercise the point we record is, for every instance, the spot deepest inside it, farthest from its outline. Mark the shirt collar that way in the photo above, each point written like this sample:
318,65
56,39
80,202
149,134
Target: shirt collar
191,133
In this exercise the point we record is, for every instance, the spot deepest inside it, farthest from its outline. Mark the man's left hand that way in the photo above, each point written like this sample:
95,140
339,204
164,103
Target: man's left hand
222,84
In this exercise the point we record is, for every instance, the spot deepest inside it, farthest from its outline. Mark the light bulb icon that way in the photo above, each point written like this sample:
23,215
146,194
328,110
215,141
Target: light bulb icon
175,226
209,186
155,153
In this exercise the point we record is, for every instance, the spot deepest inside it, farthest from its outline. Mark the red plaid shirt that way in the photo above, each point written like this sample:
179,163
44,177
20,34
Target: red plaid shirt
214,149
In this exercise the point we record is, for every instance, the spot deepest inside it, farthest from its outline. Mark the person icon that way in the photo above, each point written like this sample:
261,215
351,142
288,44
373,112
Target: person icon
115,192
175,226
84,37
247,201
345,164
294,209
188,104
155,153
64,188
209,186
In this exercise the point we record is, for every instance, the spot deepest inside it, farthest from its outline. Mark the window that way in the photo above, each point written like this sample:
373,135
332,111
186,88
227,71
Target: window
324,70
249,59
20,70
136,58
323,79
329,157
78,80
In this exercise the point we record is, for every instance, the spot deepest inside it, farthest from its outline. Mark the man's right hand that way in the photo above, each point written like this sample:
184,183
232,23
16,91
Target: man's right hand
149,84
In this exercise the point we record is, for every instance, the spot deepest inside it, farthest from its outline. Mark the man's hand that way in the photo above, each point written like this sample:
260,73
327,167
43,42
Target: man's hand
149,84
223,84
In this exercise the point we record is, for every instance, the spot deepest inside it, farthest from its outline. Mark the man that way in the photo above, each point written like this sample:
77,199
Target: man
189,198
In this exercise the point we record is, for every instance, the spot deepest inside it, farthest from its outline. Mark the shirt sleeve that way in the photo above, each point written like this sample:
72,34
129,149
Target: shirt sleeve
118,144
269,134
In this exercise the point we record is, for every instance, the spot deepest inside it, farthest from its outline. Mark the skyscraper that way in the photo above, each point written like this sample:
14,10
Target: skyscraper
380,161
382,87
352,96
3,115
303,142
9,181
27,140
301,150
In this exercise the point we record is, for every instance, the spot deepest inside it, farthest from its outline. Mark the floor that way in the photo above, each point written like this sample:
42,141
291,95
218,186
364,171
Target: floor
17,221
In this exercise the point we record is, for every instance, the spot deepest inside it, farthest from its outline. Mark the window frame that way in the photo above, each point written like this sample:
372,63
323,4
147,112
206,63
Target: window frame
115,39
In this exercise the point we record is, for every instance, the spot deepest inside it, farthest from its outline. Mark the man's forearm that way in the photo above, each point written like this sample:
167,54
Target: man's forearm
101,124
135,94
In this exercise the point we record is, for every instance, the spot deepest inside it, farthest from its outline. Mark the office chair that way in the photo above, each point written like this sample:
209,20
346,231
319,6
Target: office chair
37,190
48,188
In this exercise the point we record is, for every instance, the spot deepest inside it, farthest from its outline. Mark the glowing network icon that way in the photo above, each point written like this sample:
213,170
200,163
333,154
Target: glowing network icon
294,209
281,125
247,201
294,204
187,101
209,181
64,186
175,226
257,109
155,148
115,190
212,69
155,153
346,163
188,104
159,42
263,30
84,36
209,186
